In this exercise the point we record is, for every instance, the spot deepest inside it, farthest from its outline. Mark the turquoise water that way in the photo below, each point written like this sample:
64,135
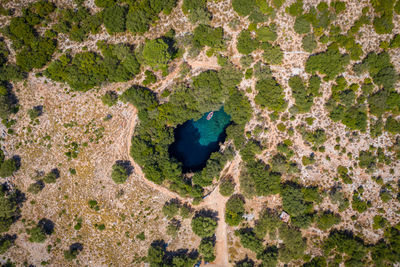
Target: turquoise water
196,140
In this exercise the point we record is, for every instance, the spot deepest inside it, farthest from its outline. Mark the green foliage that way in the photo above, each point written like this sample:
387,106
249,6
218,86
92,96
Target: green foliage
238,106
37,234
337,197
36,187
88,69
267,223
8,167
5,244
142,98
245,43
297,205
119,173
205,35
150,78
51,177
234,210
157,255
256,180
110,98
104,3
296,8
197,11
156,54
339,6
8,210
203,226
272,54
170,209
294,243
77,23
327,219
309,43
267,34
227,187
206,249
345,242
392,125
270,95
114,19
249,240
142,14
302,25
303,95
366,159
358,204
329,63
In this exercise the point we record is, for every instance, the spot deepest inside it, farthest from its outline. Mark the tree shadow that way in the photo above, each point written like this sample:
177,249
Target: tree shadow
17,160
56,172
126,164
38,109
207,213
47,226
245,262
76,247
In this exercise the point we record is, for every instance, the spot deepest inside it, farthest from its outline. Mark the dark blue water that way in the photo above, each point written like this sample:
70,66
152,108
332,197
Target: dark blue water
196,140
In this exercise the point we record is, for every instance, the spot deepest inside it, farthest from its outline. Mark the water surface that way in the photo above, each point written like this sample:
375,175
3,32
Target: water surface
196,140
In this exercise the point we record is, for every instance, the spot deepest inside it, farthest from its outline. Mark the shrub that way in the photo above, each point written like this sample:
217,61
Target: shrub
203,226
37,234
245,43
156,54
36,187
392,125
110,98
5,243
8,210
206,249
8,167
170,209
150,78
205,35
309,43
197,11
383,24
331,62
51,177
267,34
119,173
301,25
249,240
272,54
114,19
104,3
326,220
234,210
270,95
227,187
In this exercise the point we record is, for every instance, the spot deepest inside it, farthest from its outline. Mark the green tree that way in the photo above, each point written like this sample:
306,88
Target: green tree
234,210
227,187
110,98
203,226
8,167
114,19
245,43
270,95
8,210
170,209
156,54
119,173
206,249
327,219
37,234
205,35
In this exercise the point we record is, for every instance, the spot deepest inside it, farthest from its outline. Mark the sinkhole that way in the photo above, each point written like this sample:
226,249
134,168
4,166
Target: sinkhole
196,140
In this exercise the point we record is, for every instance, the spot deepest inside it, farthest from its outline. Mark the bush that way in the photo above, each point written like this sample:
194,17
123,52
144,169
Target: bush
110,98
8,167
330,63
197,11
270,95
326,220
36,187
227,187
119,173
114,19
392,125
249,240
206,249
383,24
245,43
156,54
243,7
309,43
8,210
5,243
204,226
37,234
234,210
204,35
104,3
150,78
272,54
170,209
51,177
267,34
301,25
